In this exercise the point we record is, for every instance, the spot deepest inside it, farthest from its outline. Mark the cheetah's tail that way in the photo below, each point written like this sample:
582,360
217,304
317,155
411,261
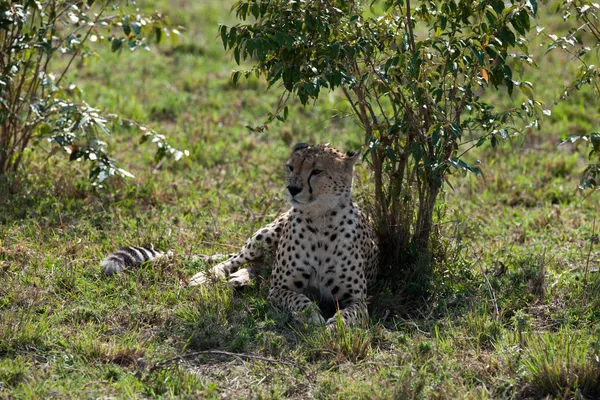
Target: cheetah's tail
130,256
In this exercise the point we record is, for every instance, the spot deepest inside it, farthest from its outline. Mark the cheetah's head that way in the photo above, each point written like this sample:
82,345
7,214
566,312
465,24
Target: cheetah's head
319,178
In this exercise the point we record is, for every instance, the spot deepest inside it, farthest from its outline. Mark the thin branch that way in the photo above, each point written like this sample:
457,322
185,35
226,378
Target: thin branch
370,108
593,28
413,47
350,100
87,34
383,114
239,356
589,256
492,295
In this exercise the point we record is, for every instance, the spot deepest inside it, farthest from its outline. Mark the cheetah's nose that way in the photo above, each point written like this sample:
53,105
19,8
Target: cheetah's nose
294,190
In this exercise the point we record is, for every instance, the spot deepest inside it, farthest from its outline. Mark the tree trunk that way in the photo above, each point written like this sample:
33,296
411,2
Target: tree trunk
424,224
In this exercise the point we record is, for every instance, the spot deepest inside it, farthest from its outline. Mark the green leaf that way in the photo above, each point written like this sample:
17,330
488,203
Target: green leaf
390,154
478,54
76,153
309,88
126,28
44,130
416,151
391,62
527,90
456,130
250,47
137,28
174,38
521,22
125,173
235,76
232,37
533,6
255,10
116,44
334,50
224,36
260,54
508,79
435,138
288,79
460,165
507,36
280,38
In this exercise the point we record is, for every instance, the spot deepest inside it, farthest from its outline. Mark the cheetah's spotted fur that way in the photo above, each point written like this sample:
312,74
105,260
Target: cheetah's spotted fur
324,246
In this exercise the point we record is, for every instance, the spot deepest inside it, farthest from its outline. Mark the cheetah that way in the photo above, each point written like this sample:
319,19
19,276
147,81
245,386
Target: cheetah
324,247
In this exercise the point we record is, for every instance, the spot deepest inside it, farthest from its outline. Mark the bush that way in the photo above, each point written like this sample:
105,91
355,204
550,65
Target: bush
579,42
414,76
39,42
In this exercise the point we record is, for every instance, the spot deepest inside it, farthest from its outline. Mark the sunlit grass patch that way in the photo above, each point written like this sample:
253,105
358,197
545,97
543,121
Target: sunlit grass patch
173,383
563,363
13,372
210,319
124,350
20,331
338,344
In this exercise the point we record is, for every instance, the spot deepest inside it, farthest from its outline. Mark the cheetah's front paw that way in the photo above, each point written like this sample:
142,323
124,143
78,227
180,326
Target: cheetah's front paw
240,278
199,279
310,316
317,319
332,323
212,274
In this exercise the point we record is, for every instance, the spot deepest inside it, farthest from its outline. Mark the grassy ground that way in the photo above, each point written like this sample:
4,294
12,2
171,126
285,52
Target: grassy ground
515,308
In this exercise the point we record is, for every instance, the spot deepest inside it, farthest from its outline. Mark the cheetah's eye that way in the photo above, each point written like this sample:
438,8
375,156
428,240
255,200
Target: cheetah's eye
316,172
289,168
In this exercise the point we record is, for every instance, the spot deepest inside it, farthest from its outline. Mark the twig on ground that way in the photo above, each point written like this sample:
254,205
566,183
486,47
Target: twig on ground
490,289
219,244
160,163
240,356
492,295
589,255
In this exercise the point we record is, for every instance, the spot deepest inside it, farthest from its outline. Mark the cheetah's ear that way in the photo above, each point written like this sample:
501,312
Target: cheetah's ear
300,146
352,157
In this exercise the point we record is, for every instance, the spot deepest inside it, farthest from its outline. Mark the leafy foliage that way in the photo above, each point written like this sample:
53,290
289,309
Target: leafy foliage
581,41
591,176
39,42
413,76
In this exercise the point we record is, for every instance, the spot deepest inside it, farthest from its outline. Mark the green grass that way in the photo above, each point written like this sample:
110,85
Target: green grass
565,363
513,311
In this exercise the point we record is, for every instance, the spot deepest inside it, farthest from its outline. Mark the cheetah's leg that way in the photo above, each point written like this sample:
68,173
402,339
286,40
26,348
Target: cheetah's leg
353,296
353,313
295,302
263,242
